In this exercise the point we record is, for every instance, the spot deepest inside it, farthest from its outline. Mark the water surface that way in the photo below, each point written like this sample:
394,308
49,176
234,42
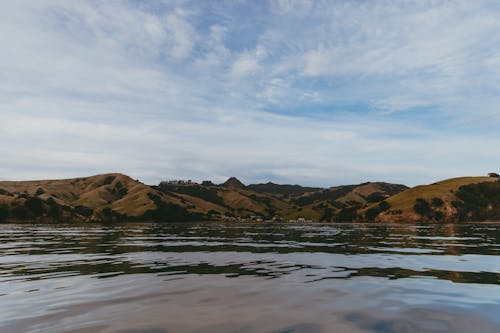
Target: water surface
213,277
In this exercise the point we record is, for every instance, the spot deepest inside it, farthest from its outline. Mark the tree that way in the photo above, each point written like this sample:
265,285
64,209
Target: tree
437,202
422,207
4,213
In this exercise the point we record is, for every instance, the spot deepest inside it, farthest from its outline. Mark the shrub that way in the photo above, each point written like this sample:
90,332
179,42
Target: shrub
422,207
35,206
437,202
384,205
347,214
4,213
478,202
85,211
108,180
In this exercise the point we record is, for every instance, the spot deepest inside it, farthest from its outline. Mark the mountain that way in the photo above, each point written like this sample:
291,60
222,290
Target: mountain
284,190
117,197
233,182
341,203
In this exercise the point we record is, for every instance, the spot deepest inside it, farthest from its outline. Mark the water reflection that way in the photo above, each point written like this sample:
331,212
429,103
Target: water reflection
366,278
459,253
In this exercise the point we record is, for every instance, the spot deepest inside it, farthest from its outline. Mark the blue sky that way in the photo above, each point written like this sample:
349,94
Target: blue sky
311,92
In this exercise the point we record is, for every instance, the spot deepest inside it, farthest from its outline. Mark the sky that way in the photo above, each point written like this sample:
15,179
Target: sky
317,93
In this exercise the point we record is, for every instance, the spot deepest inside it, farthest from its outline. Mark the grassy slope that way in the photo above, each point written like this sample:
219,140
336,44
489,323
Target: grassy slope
99,192
94,192
443,189
402,203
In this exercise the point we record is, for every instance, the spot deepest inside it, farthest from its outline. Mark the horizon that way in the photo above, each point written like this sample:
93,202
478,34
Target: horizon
245,183
328,93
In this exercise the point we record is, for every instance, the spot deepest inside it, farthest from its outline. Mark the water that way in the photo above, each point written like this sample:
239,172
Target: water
157,278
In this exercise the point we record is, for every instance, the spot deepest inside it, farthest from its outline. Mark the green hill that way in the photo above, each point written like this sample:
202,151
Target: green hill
434,202
117,197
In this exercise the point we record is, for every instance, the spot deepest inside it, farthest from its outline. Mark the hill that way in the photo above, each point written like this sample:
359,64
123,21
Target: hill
117,197
108,197
443,201
233,182
283,190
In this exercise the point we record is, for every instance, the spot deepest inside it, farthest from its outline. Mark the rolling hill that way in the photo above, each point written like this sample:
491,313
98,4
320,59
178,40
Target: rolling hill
117,197
437,202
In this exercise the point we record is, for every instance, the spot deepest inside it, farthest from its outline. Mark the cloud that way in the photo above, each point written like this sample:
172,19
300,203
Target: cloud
319,93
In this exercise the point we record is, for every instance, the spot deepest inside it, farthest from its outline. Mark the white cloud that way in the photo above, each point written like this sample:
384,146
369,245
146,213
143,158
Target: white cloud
187,90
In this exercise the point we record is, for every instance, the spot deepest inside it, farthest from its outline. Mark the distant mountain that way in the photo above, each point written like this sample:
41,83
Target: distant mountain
117,197
233,182
272,188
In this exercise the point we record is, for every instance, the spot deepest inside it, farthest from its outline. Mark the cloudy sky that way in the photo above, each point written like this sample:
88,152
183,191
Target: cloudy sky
310,92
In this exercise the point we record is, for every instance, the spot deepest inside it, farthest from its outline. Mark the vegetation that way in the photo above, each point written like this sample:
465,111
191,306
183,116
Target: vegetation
284,190
207,194
479,202
373,212
116,197
330,194
4,213
167,212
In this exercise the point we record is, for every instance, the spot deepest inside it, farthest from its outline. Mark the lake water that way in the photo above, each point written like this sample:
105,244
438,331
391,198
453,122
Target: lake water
212,277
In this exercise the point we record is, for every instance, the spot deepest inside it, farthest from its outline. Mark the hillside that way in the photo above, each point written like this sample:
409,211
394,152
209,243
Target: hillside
438,202
117,197
108,197
283,190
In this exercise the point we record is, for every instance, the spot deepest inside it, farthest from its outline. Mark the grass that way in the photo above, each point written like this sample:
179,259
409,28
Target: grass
444,189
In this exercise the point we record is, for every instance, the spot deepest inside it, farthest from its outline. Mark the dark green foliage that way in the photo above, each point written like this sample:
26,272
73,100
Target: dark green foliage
39,191
437,202
119,190
327,215
207,194
426,210
54,212
330,194
85,211
167,212
478,202
35,206
109,215
384,205
4,213
373,212
375,197
439,216
347,214
108,180
422,207
54,209
270,208
122,192
2,191
288,190
19,212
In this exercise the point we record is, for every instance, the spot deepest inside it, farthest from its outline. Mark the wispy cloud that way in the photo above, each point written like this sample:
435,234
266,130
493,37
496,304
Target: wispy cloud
318,92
